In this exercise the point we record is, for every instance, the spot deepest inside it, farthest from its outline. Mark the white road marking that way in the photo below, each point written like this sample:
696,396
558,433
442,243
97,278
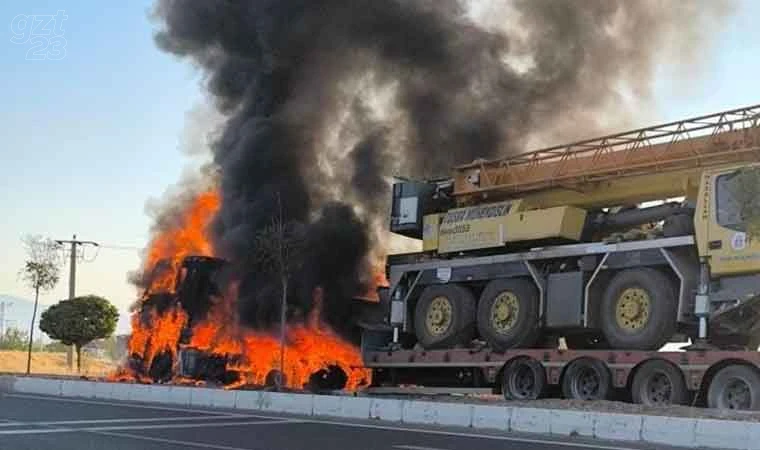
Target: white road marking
415,447
474,435
171,441
124,404
145,427
189,425
97,421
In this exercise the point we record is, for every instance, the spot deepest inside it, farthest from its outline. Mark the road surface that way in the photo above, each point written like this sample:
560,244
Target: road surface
29,422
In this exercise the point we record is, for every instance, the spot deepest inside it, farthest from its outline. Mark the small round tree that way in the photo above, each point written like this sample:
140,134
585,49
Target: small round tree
80,321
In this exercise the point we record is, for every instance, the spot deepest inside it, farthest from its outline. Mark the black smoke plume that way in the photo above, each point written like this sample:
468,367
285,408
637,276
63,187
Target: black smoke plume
325,100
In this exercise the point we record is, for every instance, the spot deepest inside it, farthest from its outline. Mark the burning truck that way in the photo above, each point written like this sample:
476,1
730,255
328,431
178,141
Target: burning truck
186,327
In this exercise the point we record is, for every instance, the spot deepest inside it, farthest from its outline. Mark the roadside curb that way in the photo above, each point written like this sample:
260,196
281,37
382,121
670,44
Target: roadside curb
676,431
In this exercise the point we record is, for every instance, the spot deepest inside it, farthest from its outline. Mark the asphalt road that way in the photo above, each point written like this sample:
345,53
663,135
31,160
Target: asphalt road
51,423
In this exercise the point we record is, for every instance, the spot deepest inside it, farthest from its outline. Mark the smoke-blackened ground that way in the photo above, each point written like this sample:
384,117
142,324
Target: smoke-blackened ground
326,100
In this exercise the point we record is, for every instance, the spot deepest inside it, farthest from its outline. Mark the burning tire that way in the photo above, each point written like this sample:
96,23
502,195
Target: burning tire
331,378
508,314
659,383
523,379
445,316
587,379
275,379
735,387
638,310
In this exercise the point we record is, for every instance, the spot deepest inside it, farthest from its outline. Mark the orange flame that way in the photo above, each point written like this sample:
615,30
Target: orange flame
309,347
188,238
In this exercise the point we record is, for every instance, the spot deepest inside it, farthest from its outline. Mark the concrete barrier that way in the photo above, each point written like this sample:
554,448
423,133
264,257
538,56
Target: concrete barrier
530,420
222,398
491,417
146,393
29,385
572,423
661,430
179,395
6,383
618,427
74,388
248,400
201,398
723,434
103,391
121,391
287,403
437,413
678,431
353,407
386,409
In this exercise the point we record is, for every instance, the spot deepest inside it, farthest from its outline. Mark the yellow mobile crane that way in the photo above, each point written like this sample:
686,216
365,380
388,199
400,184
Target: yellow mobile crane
614,246
551,242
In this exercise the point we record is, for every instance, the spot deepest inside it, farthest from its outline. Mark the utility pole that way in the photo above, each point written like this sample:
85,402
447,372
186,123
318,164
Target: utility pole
72,280
3,306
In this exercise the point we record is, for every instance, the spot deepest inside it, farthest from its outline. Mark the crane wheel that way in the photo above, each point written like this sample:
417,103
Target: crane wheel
735,387
587,379
638,310
523,379
445,316
508,313
659,383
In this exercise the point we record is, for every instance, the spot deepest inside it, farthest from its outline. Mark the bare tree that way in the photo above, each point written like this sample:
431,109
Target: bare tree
278,250
41,272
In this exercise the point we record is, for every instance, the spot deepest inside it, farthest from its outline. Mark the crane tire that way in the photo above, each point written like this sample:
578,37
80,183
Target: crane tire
508,314
445,316
638,310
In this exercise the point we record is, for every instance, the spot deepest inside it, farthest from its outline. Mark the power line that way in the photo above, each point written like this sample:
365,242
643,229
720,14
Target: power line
121,247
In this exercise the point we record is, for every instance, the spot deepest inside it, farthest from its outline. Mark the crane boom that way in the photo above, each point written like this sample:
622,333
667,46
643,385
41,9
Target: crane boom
722,138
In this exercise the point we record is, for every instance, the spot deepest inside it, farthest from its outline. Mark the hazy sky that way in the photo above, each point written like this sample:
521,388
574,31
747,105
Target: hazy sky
90,134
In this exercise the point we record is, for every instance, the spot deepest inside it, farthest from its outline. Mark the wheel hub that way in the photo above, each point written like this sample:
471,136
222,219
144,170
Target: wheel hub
737,395
587,385
439,315
659,389
632,311
504,312
523,382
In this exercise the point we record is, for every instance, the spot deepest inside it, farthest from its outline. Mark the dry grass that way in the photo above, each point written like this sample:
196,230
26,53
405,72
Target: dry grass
46,363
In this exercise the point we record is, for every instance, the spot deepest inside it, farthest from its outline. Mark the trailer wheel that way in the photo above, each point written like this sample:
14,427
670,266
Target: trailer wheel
445,316
638,310
735,387
523,379
508,313
586,379
659,383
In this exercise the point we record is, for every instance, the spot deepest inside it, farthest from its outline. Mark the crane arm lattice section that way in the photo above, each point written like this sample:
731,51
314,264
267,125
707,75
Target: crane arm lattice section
726,137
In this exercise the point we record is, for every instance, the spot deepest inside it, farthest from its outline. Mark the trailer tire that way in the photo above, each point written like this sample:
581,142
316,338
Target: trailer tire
638,310
587,379
515,322
444,316
659,383
523,379
735,387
